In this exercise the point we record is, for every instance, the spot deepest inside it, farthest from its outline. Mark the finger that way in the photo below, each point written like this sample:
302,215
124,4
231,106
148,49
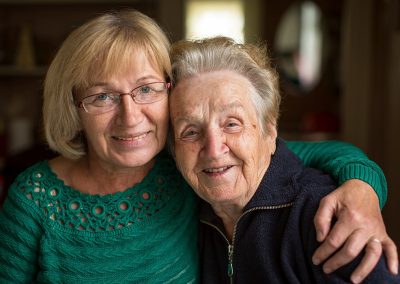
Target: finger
335,239
350,250
373,252
391,254
323,218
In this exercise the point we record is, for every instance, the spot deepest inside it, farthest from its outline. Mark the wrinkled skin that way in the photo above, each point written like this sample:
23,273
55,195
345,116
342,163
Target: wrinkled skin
359,223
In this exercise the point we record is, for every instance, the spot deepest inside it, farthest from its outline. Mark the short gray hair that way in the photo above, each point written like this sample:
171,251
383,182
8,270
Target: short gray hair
190,58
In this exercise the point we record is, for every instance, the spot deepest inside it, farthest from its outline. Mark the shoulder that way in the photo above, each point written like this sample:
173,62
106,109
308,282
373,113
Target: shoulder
32,175
310,187
313,184
21,196
35,181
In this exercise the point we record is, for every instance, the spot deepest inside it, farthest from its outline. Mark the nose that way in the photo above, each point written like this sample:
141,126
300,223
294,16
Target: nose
129,112
215,144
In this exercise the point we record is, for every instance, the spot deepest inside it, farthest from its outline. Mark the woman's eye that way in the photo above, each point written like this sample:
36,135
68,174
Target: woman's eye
102,97
233,125
146,90
189,133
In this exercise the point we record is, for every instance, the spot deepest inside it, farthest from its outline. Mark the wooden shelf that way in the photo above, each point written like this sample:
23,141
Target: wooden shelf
15,71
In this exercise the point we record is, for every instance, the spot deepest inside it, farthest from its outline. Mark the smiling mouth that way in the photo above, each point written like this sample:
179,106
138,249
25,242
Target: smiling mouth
217,170
130,138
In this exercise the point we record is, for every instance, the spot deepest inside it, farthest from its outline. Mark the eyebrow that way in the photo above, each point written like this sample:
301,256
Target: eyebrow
140,80
189,117
232,105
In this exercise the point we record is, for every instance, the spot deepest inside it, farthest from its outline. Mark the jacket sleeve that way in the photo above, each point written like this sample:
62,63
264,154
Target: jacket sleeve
343,161
20,233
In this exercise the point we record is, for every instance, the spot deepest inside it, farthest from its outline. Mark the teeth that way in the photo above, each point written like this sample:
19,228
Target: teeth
217,170
131,138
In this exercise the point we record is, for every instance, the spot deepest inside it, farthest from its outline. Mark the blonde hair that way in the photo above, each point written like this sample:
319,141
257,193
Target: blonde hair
98,49
190,58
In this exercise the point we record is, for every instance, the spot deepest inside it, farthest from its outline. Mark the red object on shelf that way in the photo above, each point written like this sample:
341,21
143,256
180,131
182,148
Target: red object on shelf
320,122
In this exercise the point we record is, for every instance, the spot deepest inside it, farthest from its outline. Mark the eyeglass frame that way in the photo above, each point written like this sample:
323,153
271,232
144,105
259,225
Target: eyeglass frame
81,104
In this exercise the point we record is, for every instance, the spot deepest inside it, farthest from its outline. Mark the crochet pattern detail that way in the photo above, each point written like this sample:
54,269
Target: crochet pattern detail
68,207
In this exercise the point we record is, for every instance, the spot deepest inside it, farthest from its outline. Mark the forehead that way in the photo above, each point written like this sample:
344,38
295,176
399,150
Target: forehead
212,92
137,63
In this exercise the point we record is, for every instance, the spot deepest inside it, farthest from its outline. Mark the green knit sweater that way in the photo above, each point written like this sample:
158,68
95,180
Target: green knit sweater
343,161
52,233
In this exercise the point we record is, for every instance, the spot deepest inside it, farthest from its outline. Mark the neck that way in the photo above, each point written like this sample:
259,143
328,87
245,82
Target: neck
93,178
229,215
110,179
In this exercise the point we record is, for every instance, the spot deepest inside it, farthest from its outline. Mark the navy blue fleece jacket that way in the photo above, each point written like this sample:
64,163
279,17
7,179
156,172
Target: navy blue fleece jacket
274,239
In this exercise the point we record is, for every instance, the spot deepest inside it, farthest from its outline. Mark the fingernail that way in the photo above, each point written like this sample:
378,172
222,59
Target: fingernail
327,270
394,269
355,279
316,260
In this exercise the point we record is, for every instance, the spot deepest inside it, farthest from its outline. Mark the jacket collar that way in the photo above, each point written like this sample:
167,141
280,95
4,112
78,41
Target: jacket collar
277,186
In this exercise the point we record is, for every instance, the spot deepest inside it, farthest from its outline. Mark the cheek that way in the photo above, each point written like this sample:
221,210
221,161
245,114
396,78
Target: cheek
162,110
94,126
160,118
248,147
241,146
186,156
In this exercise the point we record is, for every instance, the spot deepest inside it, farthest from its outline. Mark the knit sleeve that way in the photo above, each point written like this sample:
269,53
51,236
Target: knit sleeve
20,232
343,161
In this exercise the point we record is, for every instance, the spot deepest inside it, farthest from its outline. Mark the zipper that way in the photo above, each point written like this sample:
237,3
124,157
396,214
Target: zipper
230,261
231,246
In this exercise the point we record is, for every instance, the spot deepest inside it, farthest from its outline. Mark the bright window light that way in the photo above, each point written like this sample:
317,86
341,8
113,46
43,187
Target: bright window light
310,44
212,18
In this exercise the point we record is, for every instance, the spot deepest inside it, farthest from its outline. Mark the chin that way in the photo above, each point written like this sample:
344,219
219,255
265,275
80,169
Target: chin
138,158
220,197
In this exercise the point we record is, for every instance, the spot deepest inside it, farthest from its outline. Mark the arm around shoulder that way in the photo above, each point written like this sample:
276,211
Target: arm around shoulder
343,161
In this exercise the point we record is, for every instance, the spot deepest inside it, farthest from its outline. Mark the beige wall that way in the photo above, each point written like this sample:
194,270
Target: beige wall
171,14
392,147
371,91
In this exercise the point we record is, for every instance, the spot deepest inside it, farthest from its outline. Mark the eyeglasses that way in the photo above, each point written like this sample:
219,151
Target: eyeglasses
107,101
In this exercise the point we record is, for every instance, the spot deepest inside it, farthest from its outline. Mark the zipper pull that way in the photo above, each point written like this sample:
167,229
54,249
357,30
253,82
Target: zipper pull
230,258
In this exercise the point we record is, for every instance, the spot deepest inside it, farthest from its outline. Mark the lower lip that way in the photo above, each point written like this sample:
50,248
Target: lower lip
132,143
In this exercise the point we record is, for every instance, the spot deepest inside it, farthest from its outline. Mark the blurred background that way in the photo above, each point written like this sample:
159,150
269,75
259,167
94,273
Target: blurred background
339,63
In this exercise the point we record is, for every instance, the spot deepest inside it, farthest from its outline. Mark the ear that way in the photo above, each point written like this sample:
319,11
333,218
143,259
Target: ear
272,134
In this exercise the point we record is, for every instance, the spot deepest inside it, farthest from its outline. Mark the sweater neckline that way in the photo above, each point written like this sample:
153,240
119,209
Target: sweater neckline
116,195
69,209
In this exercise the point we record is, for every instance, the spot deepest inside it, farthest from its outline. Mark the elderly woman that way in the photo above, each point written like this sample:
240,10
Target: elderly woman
257,223
112,208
